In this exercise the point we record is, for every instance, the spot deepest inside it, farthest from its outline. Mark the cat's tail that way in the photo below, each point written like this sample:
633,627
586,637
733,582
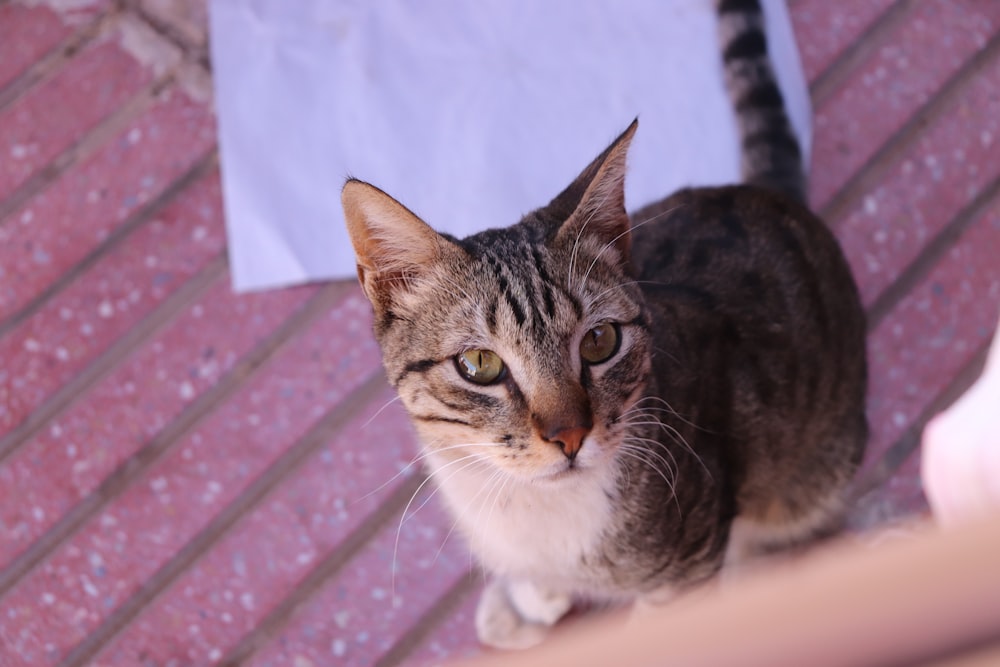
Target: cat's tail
771,155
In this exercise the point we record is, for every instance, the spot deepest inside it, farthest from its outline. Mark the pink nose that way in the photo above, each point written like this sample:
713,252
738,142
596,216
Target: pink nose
569,439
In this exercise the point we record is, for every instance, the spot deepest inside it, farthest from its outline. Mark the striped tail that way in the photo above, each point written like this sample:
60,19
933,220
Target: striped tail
771,155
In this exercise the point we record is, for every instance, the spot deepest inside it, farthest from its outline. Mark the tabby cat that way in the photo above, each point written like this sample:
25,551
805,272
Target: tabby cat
613,408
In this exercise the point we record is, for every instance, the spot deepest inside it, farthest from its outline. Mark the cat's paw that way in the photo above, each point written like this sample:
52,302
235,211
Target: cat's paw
538,605
517,615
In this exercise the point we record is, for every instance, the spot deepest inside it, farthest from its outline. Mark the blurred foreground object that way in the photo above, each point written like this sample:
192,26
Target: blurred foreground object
933,599
961,450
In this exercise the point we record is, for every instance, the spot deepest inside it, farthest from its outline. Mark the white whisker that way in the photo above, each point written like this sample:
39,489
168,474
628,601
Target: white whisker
403,517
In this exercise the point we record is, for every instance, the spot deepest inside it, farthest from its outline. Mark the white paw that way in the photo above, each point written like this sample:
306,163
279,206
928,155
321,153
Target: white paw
517,616
537,605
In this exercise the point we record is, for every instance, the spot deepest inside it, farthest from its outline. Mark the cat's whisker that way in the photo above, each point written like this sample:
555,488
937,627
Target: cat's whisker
417,459
496,490
639,454
677,437
674,412
392,400
403,517
456,520
654,445
668,409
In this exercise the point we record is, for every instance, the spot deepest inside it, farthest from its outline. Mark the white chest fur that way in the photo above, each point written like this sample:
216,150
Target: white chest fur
536,531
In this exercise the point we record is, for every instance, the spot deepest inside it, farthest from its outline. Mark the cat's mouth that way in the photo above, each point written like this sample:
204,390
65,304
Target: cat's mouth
569,470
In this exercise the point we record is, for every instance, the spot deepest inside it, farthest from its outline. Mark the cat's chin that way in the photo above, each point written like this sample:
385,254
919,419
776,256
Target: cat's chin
563,474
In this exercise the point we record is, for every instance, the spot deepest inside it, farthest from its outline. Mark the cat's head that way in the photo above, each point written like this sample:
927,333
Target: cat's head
521,348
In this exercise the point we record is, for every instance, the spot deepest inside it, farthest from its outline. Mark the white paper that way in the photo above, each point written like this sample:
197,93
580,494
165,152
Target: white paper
469,113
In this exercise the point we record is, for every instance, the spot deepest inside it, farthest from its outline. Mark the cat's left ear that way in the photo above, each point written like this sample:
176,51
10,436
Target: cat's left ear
392,245
594,203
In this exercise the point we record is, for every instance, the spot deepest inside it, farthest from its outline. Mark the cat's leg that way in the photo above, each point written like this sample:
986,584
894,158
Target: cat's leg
517,614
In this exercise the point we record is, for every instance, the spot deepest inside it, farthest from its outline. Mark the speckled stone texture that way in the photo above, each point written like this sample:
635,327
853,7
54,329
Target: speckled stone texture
54,230
83,320
190,477
48,119
907,67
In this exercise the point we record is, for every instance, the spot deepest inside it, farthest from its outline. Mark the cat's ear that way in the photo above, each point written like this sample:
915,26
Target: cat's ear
594,203
391,244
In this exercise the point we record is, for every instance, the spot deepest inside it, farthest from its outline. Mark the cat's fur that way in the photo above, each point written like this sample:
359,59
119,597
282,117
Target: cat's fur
729,419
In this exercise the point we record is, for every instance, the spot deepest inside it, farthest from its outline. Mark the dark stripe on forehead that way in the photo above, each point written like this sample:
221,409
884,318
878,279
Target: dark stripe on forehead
546,280
491,316
516,308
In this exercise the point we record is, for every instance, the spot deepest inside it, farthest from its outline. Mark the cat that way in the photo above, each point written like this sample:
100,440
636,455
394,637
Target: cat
616,407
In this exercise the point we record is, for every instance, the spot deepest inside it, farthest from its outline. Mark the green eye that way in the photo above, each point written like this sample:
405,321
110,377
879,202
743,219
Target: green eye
600,343
480,366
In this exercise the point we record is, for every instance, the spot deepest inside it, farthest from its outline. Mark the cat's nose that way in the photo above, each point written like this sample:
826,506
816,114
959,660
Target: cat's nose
569,439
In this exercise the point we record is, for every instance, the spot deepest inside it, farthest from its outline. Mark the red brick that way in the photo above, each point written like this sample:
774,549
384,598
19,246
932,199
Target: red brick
74,327
51,117
67,220
352,621
934,332
905,71
940,172
233,587
68,460
118,550
824,29
26,34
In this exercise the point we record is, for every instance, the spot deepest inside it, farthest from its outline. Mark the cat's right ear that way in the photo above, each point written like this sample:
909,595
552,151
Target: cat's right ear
392,245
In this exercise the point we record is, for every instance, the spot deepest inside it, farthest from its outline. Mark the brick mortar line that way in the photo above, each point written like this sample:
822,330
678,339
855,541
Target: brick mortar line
875,167
932,252
138,218
292,459
124,345
194,52
162,442
85,146
148,326
43,68
441,611
866,43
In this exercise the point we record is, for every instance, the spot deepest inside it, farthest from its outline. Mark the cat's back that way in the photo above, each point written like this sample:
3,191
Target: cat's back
752,292
746,249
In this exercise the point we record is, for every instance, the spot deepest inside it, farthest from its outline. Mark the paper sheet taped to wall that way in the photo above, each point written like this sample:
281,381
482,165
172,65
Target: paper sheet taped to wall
470,113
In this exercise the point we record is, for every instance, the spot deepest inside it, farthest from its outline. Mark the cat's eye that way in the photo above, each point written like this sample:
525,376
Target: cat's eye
480,366
600,343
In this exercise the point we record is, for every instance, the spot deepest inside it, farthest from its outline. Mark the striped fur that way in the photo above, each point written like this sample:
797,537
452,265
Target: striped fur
771,155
